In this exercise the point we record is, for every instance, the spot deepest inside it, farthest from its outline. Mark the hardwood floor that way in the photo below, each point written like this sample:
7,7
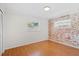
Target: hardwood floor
43,48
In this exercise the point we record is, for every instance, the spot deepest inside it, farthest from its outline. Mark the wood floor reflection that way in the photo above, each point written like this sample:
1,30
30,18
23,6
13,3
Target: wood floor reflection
43,48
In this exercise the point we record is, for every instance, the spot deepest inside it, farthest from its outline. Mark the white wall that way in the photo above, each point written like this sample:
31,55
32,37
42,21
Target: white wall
0,33
17,34
3,8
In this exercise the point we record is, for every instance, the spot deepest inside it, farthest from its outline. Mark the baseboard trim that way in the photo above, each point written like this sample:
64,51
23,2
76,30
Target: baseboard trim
64,44
26,44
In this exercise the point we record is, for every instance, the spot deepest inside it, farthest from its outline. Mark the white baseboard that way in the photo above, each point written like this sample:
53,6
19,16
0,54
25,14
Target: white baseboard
64,43
26,44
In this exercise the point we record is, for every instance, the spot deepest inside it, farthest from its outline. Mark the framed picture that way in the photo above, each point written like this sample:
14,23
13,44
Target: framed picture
33,26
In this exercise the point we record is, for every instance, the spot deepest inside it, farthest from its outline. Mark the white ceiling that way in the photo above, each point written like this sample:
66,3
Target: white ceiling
36,9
